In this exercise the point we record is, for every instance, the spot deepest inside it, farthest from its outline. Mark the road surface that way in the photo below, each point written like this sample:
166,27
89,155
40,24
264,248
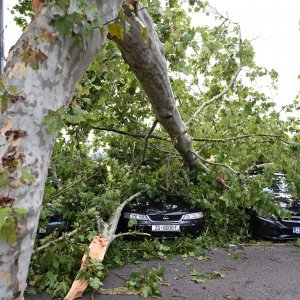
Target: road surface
250,273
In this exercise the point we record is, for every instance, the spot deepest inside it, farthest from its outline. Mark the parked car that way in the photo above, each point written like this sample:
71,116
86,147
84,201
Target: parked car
170,218
274,228
55,222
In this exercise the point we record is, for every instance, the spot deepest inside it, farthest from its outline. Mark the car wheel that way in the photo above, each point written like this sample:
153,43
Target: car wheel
249,229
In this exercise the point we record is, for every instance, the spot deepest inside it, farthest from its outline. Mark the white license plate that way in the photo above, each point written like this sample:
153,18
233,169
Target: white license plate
165,228
296,230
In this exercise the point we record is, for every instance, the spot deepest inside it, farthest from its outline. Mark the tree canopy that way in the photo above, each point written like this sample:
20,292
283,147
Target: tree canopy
111,143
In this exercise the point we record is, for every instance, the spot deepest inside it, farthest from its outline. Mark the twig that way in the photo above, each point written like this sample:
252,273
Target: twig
215,98
118,291
245,136
135,135
217,164
212,140
120,276
61,191
259,166
146,138
65,236
100,222
56,181
120,112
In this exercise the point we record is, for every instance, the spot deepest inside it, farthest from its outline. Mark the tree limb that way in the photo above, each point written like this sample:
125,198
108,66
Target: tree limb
135,135
65,236
245,136
146,143
114,219
98,248
144,53
204,139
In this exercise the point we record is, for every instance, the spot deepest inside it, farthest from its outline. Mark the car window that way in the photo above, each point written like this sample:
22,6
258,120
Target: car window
279,185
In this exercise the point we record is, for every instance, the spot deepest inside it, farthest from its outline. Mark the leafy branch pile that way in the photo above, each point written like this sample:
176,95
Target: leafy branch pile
146,282
110,145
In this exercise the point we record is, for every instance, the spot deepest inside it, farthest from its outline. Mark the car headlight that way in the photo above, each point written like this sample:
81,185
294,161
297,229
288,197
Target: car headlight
193,216
133,216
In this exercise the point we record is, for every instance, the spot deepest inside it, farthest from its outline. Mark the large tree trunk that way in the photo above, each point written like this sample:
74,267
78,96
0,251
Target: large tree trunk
145,56
46,82
45,68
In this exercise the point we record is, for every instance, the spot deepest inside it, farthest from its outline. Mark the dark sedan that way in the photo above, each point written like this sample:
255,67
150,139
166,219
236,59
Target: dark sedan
274,228
169,218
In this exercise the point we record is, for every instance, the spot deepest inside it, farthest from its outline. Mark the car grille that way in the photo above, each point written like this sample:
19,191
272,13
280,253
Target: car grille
294,219
165,218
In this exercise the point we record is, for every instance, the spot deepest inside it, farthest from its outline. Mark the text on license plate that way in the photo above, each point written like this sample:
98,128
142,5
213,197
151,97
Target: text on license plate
165,227
296,230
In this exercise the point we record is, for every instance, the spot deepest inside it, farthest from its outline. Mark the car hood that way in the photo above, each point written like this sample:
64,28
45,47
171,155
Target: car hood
287,201
150,206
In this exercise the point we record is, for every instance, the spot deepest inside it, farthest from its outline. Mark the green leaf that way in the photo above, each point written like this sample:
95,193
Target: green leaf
65,24
295,146
199,279
77,116
215,275
8,230
20,211
4,178
12,89
116,30
27,178
4,212
95,283
132,223
4,103
49,190
194,272
146,291
53,121
144,32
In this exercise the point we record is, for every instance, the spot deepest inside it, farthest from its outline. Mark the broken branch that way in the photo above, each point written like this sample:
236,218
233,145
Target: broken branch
63,237
98,247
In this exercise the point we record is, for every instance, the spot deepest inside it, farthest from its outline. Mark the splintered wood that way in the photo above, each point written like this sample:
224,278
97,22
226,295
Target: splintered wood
97,250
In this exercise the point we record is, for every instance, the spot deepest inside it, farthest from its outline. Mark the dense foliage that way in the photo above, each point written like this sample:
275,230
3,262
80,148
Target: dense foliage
102,156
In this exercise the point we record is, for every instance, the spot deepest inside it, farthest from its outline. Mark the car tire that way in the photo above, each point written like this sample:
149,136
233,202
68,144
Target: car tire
249,229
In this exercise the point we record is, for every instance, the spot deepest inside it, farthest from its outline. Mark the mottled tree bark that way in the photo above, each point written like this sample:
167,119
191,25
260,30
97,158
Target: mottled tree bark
25,141
145,56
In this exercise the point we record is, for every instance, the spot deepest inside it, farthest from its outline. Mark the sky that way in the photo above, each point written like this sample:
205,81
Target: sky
273,25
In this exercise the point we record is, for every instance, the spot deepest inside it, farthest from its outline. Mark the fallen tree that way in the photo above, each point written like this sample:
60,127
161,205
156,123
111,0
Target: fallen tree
39,67
99,246
51,57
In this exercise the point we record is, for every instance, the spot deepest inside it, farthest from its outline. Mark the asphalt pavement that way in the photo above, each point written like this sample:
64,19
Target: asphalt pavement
243,273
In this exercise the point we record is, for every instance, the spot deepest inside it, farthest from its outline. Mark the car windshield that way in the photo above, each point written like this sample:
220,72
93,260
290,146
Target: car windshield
279,185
